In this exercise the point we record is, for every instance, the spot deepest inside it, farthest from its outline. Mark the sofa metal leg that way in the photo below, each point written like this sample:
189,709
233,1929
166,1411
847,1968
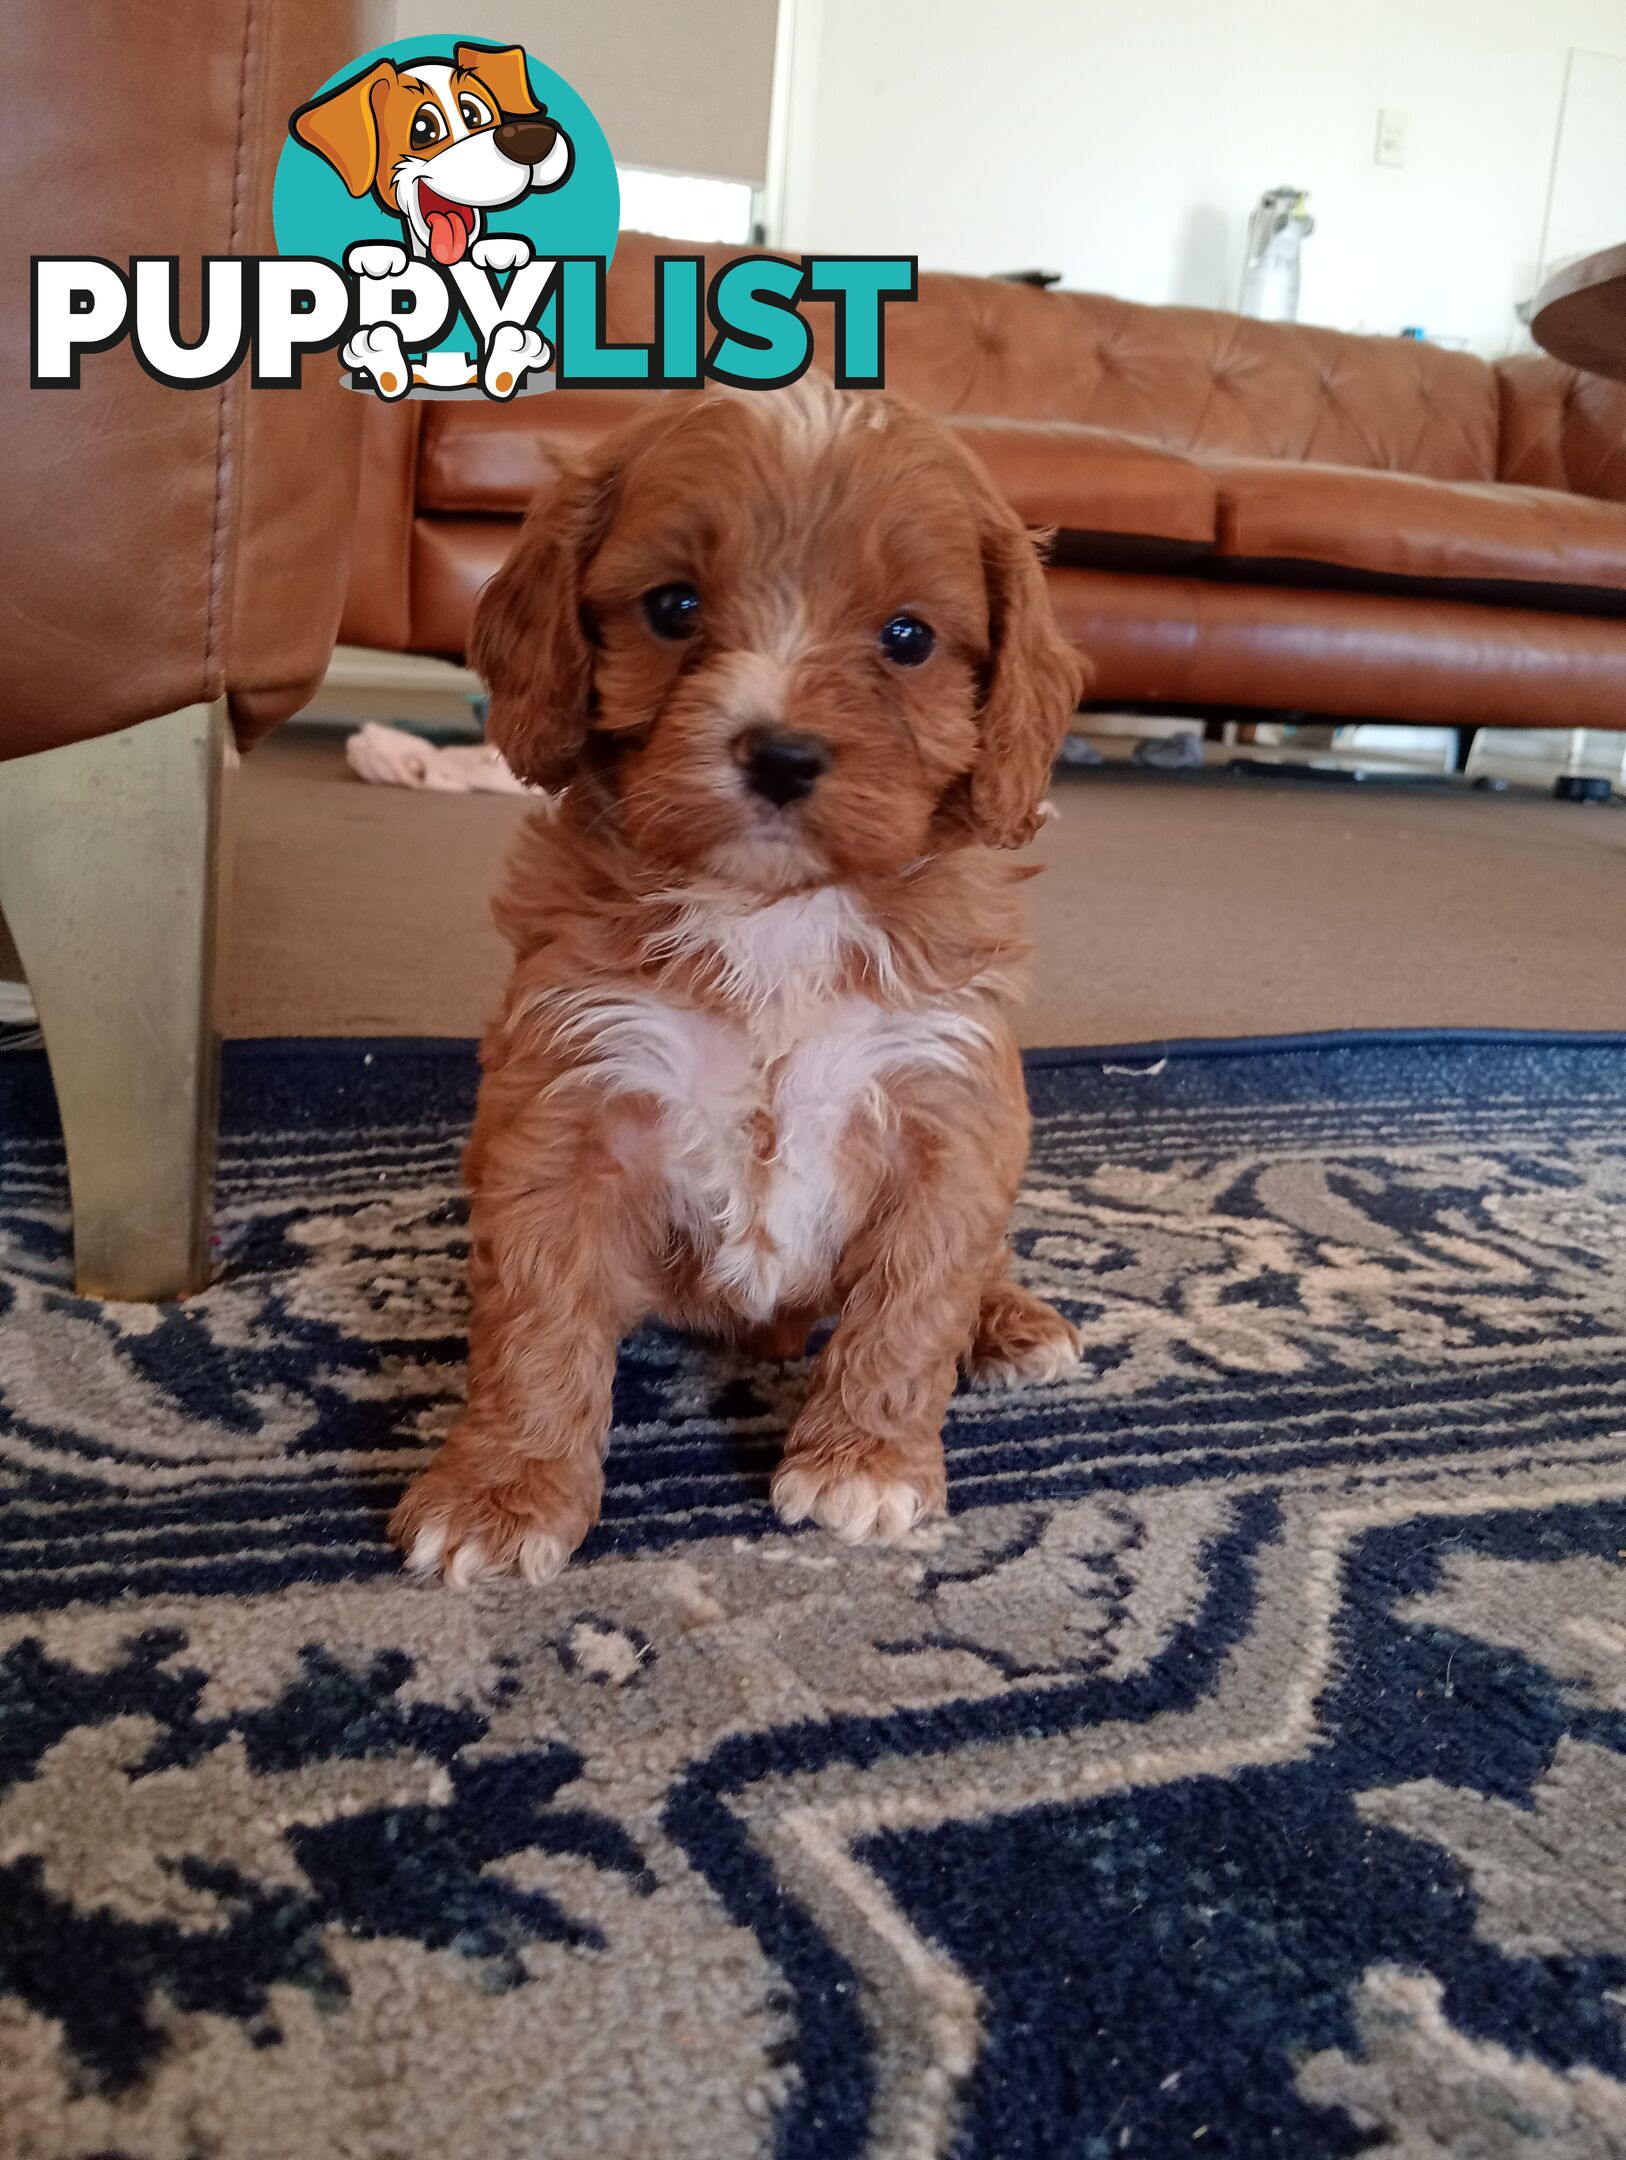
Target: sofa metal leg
109,881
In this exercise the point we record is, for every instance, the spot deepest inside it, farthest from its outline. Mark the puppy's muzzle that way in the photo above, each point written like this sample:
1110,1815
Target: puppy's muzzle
782,767
526,142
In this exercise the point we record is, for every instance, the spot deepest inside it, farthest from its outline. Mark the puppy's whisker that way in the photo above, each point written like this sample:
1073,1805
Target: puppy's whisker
604,816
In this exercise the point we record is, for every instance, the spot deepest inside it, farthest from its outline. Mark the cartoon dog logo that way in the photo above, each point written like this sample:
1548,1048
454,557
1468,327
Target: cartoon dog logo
439,144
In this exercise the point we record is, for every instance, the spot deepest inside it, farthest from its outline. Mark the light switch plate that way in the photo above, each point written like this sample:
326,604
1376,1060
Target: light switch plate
1393,130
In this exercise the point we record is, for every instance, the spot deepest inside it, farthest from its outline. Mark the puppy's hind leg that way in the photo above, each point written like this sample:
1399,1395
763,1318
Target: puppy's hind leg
512,354
1019,1339
379,353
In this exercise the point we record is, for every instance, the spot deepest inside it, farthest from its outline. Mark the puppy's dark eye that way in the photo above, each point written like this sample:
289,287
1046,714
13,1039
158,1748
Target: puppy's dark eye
672,611
426,127
907,640
474,113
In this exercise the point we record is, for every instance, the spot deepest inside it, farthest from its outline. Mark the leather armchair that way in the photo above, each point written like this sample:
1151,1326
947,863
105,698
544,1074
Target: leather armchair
172,565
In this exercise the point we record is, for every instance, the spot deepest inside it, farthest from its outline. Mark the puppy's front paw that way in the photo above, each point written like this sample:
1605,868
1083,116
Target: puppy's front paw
452,1523
872,1498
1020,1340
501,251
375,259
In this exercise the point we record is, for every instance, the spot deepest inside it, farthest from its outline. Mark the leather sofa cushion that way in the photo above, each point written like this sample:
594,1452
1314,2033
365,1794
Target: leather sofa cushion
451,559
1452,535
480,459
1091,484
1183,643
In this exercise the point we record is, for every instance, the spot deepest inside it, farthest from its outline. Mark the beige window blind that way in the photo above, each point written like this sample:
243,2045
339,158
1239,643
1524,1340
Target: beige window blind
679,85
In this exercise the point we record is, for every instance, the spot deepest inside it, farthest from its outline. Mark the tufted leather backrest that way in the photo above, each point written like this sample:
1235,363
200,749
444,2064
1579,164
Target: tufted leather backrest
1196,380
1192,379
1561,429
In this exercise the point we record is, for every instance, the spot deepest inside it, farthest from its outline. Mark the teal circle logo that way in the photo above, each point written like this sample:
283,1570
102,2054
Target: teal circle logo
449,154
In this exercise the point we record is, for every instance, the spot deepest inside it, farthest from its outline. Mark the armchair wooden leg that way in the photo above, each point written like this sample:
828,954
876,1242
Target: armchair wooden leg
109,881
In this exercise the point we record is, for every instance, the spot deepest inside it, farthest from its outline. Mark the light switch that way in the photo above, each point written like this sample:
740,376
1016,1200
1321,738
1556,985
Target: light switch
1393,130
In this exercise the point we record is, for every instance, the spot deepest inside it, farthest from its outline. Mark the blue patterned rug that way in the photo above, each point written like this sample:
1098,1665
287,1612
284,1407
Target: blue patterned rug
1242,1770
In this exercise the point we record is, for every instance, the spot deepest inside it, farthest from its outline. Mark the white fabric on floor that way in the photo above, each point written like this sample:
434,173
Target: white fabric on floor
390,757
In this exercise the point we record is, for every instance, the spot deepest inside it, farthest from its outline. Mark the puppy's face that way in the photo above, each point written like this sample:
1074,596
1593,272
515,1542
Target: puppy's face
787,638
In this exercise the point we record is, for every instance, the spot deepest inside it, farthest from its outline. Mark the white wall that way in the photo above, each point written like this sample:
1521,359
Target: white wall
1588,205
1124,142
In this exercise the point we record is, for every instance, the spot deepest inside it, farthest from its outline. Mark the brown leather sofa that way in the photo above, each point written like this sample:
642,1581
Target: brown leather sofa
1249,517
171,564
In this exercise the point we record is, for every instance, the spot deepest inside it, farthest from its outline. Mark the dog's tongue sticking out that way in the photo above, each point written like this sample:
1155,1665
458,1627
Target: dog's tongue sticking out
447,239
450,226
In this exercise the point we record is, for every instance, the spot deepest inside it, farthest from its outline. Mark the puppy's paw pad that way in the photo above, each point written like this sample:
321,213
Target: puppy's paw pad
855,1506
379,352
510,357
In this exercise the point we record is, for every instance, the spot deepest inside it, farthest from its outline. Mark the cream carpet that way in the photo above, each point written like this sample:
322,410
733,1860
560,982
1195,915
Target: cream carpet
1215,907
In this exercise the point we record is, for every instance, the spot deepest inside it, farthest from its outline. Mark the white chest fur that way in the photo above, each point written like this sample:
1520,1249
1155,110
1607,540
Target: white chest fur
756,1100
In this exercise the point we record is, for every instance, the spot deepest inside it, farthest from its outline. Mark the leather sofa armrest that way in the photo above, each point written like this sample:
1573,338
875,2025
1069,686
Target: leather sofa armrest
1561,428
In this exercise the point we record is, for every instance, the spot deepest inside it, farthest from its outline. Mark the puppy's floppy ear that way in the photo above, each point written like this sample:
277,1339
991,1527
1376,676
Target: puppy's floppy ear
1035,681
530,640
342,127
503,74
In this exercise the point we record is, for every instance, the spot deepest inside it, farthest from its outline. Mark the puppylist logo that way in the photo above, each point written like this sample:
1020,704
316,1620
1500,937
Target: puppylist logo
445,212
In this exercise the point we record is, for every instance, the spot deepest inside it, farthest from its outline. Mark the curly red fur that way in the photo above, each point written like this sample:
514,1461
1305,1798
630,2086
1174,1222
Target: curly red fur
753,1066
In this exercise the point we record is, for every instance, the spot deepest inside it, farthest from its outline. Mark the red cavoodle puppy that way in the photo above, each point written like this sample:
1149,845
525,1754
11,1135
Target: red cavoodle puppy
791,661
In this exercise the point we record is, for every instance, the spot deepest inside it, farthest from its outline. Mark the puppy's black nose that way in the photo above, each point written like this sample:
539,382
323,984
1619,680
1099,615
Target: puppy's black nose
782,766
527,142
